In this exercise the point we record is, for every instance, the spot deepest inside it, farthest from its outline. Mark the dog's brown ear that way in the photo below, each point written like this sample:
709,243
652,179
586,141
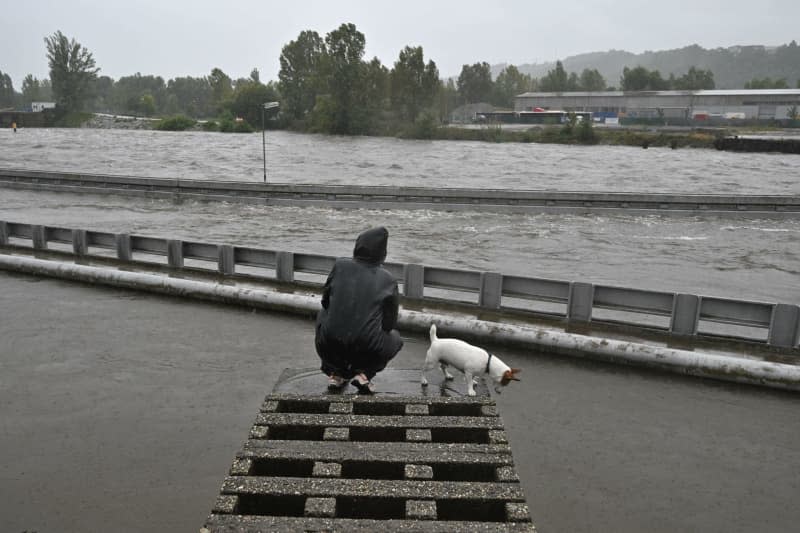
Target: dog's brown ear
510,375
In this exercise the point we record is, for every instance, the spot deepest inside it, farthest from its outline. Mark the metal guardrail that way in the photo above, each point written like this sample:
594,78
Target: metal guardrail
399,197
776,324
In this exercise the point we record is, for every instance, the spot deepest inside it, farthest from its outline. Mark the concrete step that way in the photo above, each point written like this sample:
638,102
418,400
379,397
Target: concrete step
408,458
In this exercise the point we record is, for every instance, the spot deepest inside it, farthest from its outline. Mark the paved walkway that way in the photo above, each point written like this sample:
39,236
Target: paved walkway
121,411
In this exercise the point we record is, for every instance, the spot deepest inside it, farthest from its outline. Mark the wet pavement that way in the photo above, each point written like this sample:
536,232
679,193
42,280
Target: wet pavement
122,411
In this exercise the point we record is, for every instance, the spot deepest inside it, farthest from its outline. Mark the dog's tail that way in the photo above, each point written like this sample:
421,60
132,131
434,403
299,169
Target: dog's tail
433,332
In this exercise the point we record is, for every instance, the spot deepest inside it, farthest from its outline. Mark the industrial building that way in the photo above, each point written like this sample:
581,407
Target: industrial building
759,104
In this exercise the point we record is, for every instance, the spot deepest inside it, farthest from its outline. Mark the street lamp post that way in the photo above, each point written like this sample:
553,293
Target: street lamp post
264,107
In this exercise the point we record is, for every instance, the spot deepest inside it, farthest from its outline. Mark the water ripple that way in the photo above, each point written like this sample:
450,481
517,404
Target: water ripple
742,258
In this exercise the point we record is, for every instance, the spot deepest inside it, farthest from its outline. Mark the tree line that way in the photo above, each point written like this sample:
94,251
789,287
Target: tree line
733,67
325,84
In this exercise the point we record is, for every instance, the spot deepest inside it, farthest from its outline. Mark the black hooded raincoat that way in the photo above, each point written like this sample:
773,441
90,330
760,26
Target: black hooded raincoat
356,327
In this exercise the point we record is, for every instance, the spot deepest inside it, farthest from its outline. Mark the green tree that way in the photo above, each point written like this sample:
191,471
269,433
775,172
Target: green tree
591,80
142,95
635,79
7,93
221,88
30,89
766,83
301,73
414,83
346,81
573,82
694,80
248,98
102,93
46,90
448,99
147,104
376,86
510,83
658,83
72,69
190,96
254,77
641,79
475,83
585,133
556,80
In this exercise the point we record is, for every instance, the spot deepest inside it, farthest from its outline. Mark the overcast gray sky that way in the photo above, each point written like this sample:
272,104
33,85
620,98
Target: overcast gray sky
173,38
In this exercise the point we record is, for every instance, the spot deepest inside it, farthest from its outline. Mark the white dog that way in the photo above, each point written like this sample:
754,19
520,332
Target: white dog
469,359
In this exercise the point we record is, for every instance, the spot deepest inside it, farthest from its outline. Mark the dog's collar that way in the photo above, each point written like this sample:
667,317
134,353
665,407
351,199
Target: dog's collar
488,362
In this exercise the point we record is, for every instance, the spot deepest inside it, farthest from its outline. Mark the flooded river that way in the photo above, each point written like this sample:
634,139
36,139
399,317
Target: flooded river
725,256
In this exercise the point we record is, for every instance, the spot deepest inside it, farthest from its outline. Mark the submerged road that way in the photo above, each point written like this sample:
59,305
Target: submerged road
383,197
122,412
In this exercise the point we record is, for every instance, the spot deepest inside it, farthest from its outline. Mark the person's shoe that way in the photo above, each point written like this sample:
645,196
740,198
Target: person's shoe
363,385
335,382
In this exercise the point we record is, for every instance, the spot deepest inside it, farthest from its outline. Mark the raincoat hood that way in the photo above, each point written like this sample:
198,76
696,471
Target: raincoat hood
371,245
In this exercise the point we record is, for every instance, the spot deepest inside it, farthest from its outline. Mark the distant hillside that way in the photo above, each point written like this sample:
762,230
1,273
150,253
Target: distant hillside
732,67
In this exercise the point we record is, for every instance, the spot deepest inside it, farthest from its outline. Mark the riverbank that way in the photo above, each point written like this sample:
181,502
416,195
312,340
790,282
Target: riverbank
578,135
497,134
567,134
564,134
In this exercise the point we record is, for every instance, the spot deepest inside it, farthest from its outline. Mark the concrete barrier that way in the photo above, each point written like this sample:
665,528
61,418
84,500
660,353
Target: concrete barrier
778,323
755,144
721,367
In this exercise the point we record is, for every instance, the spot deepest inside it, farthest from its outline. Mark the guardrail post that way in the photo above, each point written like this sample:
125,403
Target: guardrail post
39,237
491,290
581,299
80,245
413,281
784,328
284,266
226,262
123,242
3,233
685,314
175,253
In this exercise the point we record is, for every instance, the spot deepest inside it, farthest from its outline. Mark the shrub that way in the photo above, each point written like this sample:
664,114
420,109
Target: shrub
71,119
551,134
424,127
176,123
584,134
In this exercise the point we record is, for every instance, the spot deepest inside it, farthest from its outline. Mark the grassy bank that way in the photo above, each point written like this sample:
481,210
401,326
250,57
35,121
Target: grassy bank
575,133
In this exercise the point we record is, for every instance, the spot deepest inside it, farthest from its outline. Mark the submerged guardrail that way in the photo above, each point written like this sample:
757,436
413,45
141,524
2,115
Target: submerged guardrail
676,314
757,144
387,197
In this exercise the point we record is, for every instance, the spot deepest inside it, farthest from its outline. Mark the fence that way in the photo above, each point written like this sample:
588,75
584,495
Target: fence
684,315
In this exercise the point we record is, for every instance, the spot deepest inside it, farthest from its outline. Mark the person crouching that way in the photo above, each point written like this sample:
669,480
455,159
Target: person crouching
356,329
